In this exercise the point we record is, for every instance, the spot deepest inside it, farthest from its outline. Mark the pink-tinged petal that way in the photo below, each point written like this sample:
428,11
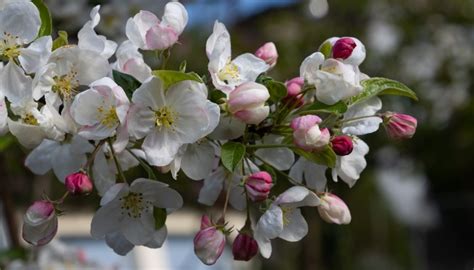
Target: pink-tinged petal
160,37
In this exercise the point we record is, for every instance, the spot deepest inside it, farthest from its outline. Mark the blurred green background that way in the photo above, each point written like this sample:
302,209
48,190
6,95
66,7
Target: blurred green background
413,207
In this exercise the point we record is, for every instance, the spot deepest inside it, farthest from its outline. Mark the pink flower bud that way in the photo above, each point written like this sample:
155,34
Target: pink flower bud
244,247
293,88
333,210
78,183
209,242
307,135
399,126
258,186
247,102
40,223
342,145
350,50
268,53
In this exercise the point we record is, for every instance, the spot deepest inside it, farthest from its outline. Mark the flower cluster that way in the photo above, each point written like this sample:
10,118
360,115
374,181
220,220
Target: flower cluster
90,120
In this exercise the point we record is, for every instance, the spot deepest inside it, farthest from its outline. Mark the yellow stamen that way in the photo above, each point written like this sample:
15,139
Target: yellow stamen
9,46
66,85
30,119
108,117
165,117
229,72
133,205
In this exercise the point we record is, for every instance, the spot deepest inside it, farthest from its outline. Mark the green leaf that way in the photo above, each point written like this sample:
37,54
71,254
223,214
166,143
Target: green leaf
61,40
382,86
338,108
276,89
46,27
217,96
128,83
325,157
232,154
170,77
160,217
326,49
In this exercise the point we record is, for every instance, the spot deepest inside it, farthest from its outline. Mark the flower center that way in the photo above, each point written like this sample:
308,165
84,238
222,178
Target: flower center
30,119
133,205
108,117
66,85
9,46
165,117
229,72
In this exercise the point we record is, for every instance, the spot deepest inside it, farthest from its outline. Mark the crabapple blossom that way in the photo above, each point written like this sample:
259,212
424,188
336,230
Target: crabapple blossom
350,50
147,32
78,183
227,74
244,247
268,53
307,134
130,61
40,223
129,210
247,102
283,218
258,186
209,242
333,210
399,126
349,167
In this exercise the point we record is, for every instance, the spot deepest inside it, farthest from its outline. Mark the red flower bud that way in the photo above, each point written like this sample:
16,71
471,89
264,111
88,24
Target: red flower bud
258,186
343,48
244,247
78,183
399,126
342,145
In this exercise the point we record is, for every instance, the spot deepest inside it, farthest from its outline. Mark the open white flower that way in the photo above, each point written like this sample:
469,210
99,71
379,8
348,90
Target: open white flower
63,158
349,167
169,118
101,109
147,32
129,210
68,68
89,40
227,73
284,219
334,80
364,125
131,62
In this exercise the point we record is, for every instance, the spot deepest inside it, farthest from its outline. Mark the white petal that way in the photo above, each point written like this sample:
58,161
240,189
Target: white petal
36,55
280,158
264,246
158,239
292,195
270,224
296,228
310,66
218,44
212,188
65,161
366,125
3,116
29,136
198,160
158,193
138,26
237,195
333,88
229,128
175,16
85,105
313,174
14,84
103,176
138,230
161,147
20,19
118,243
150,94
141,121
250,66
114,191
106,220
39,160
349,167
